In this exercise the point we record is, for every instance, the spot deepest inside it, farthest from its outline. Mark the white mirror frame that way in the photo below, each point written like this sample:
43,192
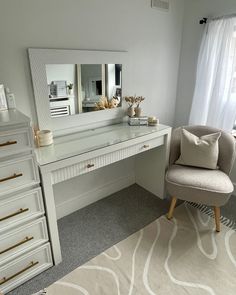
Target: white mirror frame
68,124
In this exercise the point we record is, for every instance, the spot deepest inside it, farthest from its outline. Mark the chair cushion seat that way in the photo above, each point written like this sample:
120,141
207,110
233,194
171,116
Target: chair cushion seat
210,187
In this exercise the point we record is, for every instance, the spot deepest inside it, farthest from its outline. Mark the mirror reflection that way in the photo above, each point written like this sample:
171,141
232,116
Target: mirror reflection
80,88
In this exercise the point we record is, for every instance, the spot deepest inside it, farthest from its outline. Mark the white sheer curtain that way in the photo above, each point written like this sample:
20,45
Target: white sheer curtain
214,101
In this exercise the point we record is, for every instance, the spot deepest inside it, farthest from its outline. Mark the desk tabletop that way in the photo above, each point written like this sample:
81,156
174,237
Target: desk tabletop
90,140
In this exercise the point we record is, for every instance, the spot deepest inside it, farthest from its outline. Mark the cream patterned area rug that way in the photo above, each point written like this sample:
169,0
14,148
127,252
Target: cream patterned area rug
181,256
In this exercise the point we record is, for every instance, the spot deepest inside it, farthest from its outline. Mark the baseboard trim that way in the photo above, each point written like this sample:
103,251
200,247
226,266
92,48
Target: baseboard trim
98,193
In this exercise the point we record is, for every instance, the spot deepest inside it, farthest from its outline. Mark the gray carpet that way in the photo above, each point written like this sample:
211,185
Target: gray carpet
91,230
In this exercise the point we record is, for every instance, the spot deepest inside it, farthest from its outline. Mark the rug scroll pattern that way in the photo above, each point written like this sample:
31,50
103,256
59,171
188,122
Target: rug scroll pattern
181,256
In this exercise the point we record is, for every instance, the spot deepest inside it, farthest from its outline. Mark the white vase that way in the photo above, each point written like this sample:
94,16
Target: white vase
70,91
138,112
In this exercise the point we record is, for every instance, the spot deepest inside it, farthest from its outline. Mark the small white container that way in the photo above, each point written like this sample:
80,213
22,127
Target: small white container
153,121
44,137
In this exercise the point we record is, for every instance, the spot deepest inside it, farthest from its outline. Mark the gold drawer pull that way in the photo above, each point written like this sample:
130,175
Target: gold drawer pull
146,146
4,280
90,165
26,239
11,177
20,211
8,143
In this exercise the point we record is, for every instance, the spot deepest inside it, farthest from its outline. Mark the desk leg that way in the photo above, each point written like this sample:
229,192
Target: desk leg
150,168
51,216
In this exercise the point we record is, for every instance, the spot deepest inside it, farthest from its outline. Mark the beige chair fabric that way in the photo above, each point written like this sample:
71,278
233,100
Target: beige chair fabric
209,187
205,186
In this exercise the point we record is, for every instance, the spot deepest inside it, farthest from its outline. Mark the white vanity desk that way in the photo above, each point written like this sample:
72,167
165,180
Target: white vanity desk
79,153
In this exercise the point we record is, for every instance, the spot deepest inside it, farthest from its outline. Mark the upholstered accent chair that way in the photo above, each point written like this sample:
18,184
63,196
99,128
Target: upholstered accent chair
199,185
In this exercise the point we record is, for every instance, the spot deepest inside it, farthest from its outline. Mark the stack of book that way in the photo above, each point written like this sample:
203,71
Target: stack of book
138,121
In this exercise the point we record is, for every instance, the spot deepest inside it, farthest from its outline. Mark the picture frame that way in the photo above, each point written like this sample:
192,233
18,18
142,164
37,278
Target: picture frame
3,99
61,89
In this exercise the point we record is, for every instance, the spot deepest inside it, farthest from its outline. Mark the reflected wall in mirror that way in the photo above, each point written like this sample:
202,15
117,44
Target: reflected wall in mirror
81,88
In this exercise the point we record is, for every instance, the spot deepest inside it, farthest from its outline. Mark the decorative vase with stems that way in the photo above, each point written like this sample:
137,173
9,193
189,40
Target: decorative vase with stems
134,100
138,110
130,100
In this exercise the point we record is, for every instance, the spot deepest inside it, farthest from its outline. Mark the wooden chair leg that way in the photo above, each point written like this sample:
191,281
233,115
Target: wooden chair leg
217,218
172,207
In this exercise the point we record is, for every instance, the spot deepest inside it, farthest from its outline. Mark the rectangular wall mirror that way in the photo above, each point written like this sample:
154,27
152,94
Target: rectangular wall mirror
77,88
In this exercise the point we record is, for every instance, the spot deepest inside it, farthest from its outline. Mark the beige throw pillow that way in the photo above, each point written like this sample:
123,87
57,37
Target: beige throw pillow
199,152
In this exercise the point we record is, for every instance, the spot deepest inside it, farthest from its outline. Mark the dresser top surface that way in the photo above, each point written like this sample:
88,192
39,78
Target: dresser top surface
12,117
79,143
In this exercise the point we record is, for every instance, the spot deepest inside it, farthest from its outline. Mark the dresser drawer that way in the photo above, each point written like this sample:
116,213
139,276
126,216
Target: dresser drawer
15,141
22,239
20,208
17,174
22,269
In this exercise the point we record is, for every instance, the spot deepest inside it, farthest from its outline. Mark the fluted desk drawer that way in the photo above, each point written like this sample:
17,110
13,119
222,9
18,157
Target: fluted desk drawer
22,239
22,269
89,165
20,208
14,141
17,174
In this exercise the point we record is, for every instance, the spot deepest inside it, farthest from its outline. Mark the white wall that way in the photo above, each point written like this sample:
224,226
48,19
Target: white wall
192,33
152,38
62,72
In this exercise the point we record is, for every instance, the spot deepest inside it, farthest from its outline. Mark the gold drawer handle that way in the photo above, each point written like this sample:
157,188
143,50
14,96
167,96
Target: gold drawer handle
26,239
20,211
90,165
4,280
146,146
8,143
11,177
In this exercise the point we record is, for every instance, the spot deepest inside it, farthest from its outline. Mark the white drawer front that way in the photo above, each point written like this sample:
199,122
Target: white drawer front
150,144
17,174
21,208
18,241
14,141
22,269
101,161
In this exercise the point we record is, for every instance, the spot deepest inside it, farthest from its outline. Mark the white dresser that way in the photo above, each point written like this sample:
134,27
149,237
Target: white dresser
24,244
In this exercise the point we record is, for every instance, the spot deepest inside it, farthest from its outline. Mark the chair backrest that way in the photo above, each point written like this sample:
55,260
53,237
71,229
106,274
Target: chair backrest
226,145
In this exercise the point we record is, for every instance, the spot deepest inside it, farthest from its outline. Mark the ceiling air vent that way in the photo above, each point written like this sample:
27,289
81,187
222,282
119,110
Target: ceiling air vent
161,4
